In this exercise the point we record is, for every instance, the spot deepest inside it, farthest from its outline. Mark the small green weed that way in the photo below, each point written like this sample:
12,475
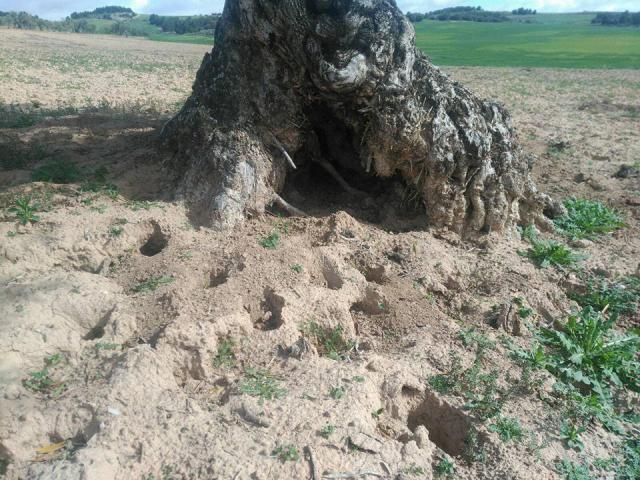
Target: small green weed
573,471
296,268
337,392
260,383
570,434
327,431
115,231
57,171
618,298
587,218
271,241
107,346
224,355
286,453
507,429
591,355
445,467
328,341
377,413
152,283
41,381
136,205
544,253
25,211
471,337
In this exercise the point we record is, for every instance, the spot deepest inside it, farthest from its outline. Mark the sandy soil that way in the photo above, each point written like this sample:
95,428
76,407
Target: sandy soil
137,387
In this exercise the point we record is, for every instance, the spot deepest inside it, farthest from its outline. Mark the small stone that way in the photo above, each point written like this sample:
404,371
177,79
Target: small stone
12,392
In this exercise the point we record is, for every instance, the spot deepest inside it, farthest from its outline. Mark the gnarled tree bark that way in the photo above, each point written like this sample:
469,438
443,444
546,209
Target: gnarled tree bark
341,82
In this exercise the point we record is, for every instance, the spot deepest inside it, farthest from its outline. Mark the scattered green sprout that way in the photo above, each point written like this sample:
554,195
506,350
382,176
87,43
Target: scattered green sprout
25,211
271,241
545,253
152,283
327,431
261,384
328,341
508,429
115,231
587,218
413,470
296,268
41,381
286,453
616,297
573,471
337,392
225,356
445,467
107,346
377,413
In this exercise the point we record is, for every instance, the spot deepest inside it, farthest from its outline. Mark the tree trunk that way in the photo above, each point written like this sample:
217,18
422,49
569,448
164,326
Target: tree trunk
341,83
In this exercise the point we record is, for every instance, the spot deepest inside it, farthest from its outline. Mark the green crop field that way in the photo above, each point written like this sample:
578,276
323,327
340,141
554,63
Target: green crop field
185,38
549,40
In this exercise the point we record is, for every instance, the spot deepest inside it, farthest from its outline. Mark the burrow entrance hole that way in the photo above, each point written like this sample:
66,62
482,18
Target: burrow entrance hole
155,243
448,426
312,188
267,315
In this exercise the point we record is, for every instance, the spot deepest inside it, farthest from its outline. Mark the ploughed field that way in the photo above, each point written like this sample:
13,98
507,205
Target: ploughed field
133,345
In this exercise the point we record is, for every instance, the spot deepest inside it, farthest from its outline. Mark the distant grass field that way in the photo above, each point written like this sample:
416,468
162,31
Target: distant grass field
550,40
186,38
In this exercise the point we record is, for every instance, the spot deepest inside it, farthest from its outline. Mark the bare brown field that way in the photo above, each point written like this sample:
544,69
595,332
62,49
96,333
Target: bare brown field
134,345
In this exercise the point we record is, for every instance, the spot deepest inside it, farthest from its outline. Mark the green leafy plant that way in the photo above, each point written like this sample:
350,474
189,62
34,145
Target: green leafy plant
327,431
57,171
618,298
24,211
544,253
115,231
587,218
377,413
570,434
471,337
337,392
445,467
329,341
286,453
271,241
296,268
260,383
507,429
591,355
225,356
152,283
41,381
573,471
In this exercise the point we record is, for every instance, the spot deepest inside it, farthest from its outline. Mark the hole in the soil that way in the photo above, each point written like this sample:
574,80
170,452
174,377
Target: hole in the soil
218,277
98,329
269,315
372,304
156,242
331,177
331,276
448,426
374,273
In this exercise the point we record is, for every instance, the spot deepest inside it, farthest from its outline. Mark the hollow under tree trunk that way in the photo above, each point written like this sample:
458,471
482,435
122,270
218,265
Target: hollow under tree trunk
341,82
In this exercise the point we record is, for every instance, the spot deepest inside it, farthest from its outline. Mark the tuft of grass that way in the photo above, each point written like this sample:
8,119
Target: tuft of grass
618,298
25,211
507,429
115,231
271,241
445,467
224,355
587,218
327,431
152,283
329,341
286,453
260,383
57,171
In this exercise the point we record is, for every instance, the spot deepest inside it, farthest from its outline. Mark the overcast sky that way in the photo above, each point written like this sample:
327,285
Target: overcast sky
57,9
